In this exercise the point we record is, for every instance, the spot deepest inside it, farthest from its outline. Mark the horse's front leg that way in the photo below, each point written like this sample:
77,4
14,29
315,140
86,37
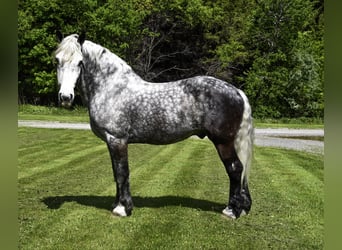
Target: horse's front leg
118,148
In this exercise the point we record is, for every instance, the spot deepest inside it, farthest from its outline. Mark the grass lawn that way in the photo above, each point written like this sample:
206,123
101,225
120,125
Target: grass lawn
300,123
65,192
33,112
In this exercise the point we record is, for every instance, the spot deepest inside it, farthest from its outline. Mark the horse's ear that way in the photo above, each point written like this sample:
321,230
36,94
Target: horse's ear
81,38
59,35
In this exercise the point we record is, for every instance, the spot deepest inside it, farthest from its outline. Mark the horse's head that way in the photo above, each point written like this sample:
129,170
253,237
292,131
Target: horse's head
69,58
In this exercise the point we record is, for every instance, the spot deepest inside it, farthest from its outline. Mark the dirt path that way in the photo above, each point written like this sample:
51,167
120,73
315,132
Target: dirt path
297,139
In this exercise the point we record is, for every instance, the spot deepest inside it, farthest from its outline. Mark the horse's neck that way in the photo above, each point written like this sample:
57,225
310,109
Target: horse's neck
104,70
102,57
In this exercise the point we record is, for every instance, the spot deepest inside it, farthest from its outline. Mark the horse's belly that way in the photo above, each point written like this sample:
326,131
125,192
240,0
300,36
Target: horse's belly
162,133
163,121
160,139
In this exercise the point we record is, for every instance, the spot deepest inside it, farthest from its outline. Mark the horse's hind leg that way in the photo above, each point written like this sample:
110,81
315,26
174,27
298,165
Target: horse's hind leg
123,204
240,201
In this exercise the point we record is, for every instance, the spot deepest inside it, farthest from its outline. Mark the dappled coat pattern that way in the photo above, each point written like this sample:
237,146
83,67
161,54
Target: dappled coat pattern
123,109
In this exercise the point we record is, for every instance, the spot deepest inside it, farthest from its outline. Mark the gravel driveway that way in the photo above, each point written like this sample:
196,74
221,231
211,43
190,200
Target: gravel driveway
269,137
297,139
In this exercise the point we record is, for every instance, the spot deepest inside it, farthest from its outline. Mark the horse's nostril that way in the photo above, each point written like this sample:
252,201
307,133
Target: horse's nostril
65,97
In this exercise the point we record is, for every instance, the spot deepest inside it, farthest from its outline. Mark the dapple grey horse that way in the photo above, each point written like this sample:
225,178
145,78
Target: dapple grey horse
123,109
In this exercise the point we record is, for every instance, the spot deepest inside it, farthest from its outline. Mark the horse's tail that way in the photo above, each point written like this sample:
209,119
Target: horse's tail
243,142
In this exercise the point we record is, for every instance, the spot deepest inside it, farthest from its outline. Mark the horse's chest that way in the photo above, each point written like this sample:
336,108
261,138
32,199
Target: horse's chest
107,115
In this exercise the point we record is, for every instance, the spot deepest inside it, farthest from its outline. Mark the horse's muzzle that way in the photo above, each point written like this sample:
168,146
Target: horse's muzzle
66,100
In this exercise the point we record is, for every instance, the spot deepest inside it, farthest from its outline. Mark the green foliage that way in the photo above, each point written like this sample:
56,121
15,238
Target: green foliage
306,77
286,75
272,49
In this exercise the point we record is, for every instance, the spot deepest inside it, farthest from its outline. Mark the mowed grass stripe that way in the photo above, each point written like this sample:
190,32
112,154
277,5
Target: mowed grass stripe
178,191
293,199
285,171
33,137
145,166
168,209
59,161
154,219
54,148
167,213
47,149
203,171
165,151
74,179
150,175
148,161
311,163
141,165
65,228
149,164
189,174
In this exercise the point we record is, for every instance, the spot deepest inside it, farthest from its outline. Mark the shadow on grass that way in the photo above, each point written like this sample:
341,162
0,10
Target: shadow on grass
105,202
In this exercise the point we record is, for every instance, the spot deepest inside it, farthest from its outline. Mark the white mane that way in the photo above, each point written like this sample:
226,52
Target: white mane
95,51
69,48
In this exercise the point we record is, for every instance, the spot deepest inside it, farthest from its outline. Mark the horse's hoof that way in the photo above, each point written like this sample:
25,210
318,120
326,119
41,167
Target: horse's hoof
120,210
230,214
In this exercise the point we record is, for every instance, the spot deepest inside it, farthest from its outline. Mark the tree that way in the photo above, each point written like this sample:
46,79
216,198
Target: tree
272,49
172,41
278,82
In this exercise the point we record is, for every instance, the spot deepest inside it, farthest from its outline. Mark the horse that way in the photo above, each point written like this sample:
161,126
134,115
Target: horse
123,109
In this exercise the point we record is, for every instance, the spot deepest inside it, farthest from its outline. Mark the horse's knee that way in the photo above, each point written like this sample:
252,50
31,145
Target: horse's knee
234,169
